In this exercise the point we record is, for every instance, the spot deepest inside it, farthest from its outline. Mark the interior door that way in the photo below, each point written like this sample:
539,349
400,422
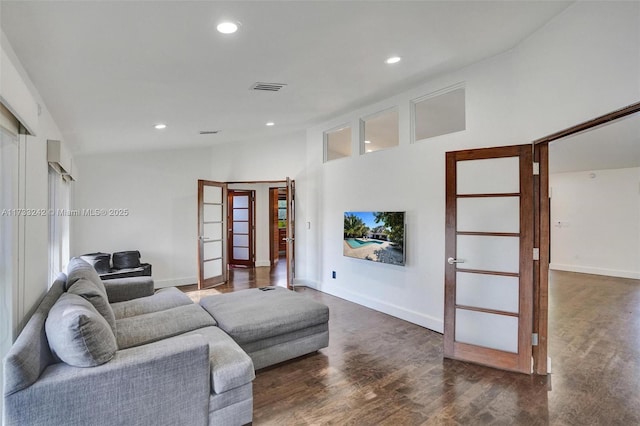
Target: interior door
241,228
274,240
291,215
489,257
212,265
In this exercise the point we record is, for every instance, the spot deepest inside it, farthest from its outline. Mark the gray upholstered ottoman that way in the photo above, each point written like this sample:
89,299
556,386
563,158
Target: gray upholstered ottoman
272,325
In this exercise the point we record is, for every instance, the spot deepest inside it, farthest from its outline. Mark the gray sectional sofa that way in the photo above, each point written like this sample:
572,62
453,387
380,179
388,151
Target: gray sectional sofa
118,353
114,353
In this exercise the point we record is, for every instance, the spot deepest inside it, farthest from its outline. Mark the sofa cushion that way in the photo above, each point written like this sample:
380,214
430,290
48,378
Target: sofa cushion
78,334
163,299
147,328
77,269
30,354
254,314
231,367
89,291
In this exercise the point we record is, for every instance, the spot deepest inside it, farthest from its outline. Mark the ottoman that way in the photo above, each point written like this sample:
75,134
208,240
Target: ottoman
271,324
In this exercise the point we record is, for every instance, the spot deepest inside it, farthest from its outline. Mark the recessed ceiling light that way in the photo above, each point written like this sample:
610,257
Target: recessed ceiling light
393,60
227,27
271,123
160,126
367,141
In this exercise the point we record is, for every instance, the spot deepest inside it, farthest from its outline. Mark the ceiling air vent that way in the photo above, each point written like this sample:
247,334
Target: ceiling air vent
267,87
209,132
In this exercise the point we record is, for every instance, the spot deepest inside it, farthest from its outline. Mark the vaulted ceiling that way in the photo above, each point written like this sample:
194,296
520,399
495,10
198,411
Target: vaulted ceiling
108,71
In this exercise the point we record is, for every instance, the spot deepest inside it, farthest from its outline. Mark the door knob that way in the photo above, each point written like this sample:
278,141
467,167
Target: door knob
451,261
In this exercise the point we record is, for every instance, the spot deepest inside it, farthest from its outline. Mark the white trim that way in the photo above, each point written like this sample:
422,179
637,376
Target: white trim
427,321
261,263
595,271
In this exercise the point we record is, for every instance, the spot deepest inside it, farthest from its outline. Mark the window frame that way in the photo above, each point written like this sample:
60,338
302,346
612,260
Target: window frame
412,109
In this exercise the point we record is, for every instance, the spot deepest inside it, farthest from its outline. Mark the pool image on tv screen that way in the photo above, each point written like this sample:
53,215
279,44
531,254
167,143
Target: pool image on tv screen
374,236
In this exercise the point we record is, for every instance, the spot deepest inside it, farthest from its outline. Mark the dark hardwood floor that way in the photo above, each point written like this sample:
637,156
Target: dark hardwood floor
380,370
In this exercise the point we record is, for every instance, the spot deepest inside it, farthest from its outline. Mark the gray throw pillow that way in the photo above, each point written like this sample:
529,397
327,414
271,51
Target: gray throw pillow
89,291
77,269
78,334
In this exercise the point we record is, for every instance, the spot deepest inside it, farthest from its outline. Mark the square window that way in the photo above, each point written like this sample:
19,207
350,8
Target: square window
337,143
439,115
379,131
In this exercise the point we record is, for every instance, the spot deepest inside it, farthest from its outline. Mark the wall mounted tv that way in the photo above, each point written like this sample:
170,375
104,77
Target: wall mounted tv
375,236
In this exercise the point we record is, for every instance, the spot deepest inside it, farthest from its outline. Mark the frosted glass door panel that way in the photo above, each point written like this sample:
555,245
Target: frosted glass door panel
499,176
212,268
240,202
212,194
487,291
240,214
488,253
488,330
241,240
489,214
213,231
241,227
212,250
212,213
240,253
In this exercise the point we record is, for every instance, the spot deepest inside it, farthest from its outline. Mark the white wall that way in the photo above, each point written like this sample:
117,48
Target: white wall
582,64
595,222
160,191
268,159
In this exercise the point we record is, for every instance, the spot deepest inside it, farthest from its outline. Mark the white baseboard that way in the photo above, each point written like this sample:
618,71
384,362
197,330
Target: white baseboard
260,263
305,283
174,282
427,321
594,271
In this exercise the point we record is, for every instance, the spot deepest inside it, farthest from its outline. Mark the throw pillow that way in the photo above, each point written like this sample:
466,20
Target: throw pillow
77,269
89,291
78,334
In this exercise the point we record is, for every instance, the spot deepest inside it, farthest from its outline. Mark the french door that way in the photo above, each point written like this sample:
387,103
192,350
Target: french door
241,227
489,257
291,229
212,265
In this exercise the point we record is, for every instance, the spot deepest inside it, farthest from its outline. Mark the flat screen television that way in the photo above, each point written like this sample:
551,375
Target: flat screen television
375,236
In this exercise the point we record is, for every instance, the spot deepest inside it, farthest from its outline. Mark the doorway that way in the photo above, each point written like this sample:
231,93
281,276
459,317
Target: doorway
241,228
251,227
277,224
585,137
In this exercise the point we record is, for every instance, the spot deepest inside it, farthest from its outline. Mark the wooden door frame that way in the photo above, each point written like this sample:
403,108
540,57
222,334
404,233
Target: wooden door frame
223,185
457,350
251,262
274,253
542,228
291,241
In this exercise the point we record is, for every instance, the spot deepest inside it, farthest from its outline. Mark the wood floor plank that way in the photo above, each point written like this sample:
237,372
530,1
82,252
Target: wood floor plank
380,370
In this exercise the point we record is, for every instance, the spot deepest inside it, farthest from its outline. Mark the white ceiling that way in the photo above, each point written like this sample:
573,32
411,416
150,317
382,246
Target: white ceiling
615,145
108,71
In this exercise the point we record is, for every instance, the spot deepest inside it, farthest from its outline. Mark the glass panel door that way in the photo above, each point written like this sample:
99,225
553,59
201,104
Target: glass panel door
489,255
